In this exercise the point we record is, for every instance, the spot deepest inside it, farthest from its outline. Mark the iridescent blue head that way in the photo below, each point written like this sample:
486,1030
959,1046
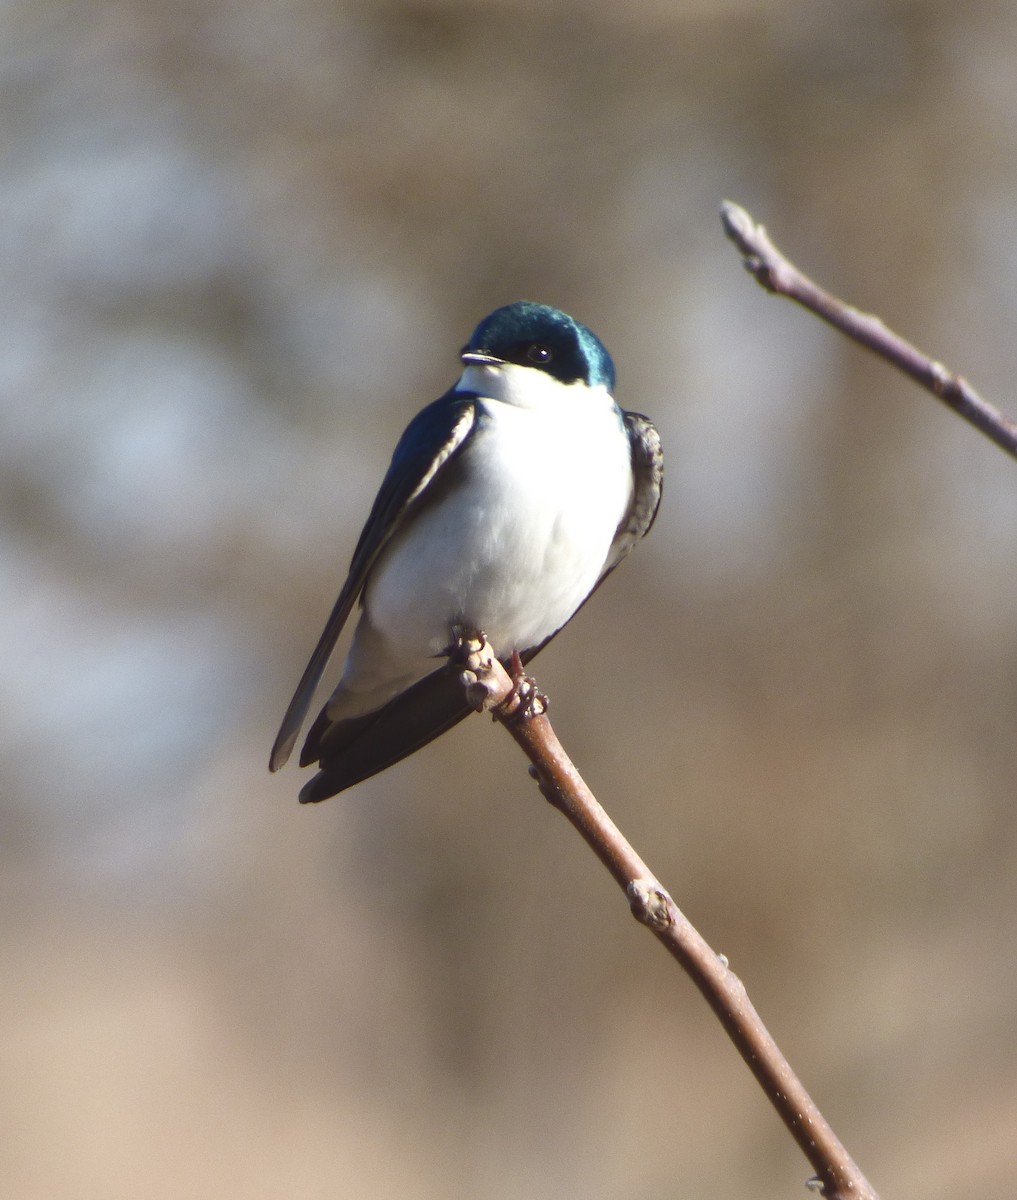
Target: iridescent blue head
536,335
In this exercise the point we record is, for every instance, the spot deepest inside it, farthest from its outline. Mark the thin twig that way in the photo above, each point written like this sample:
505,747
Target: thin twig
520,708
778,274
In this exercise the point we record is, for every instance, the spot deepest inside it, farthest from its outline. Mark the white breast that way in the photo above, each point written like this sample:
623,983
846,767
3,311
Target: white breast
517,545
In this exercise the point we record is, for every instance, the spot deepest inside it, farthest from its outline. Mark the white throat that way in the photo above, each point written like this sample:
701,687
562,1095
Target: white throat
529,387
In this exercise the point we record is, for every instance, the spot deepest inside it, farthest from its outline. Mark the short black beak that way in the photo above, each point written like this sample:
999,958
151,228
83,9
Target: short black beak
477,358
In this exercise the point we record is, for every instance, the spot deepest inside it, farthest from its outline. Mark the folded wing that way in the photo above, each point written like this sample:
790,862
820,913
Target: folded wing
430,442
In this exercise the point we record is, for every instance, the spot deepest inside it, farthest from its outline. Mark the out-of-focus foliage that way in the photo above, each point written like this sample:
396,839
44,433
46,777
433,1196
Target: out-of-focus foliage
239,246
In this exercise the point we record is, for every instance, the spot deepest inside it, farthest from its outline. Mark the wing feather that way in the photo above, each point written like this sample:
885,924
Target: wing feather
430,442
648,486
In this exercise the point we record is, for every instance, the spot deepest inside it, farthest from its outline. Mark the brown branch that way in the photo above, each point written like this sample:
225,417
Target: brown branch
520,709
778,274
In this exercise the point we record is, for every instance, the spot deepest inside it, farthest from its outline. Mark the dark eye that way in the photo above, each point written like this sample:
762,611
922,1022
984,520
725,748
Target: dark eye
538,353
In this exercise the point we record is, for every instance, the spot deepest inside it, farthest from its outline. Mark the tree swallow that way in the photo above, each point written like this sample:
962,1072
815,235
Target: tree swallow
506,503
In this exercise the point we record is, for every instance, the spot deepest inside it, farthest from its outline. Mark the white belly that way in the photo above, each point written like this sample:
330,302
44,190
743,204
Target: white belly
519,543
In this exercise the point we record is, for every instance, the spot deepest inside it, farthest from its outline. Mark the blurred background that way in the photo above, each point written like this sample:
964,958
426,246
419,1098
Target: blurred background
240,244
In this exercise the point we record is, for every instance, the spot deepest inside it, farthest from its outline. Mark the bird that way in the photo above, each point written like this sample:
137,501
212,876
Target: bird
507,502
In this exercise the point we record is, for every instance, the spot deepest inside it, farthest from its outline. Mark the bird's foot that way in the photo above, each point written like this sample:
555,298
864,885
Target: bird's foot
531,702
471,655
467,644
488,686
